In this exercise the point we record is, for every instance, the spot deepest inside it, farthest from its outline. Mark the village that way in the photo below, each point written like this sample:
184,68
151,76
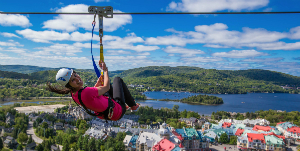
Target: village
250,134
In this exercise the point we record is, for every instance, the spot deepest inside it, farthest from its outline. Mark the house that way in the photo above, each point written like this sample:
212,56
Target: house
31,146
146,140
262,128
10,119
126,142
293,132
239,132
163,144
256,141
205,126
9,142
55,147
58,126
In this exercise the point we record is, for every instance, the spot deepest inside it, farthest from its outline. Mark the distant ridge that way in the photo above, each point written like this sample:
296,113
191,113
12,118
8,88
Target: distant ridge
25,69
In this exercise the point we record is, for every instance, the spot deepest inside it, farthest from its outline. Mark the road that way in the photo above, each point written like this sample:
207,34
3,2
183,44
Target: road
30,131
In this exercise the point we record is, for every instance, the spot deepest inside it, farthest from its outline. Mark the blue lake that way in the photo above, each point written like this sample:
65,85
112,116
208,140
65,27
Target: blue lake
232,102
37,102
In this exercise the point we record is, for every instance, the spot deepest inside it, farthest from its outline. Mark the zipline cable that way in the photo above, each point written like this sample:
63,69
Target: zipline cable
152,13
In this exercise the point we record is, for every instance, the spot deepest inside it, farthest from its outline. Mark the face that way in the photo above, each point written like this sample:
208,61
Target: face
75,81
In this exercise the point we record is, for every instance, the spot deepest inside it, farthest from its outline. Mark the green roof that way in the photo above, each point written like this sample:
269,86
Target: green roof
240,126
219,132
190,132
273,140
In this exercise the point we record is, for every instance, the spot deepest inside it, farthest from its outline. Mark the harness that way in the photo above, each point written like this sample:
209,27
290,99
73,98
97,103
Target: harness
108,113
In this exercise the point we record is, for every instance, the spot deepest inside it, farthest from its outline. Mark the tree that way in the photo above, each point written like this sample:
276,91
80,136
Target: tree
29,139
233,140
216,139
175,107
1,143
39,147
79,142
224,138
92,143
120,146
183,114
22,138
45,125
20,147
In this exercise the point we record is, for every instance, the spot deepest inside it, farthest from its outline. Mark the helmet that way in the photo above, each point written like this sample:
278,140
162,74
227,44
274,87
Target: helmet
63,76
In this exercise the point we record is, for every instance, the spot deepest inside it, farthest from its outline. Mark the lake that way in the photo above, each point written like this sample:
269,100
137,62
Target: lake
232,102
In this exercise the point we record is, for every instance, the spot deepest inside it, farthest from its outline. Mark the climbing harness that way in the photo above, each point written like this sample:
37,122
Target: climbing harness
107,114
107,12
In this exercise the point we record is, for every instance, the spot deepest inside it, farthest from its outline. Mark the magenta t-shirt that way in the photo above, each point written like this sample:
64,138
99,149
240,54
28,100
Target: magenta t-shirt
94,102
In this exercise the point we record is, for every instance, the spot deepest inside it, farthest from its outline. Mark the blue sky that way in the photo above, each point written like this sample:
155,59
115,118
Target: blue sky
223,42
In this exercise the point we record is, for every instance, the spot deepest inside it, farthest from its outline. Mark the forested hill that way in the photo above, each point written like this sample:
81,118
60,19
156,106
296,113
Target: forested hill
23,68
195,79
183,78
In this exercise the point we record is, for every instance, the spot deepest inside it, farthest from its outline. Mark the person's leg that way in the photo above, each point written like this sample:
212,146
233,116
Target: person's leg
121,91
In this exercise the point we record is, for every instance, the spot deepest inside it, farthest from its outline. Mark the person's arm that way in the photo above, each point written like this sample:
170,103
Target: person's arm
106,84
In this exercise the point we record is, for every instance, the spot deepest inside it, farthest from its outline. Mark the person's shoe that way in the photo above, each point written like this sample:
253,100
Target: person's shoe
135,108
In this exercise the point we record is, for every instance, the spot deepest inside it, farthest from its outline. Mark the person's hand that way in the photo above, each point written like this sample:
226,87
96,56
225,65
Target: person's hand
102,65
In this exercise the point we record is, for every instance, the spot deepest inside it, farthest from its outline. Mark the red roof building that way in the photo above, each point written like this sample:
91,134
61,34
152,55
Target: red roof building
164,145
263,128
294,130
280,123
177,135
226,124
239,132
279,136
253,136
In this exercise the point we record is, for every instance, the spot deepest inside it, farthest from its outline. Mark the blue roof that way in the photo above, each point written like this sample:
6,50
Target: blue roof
176,149
181,131
133,140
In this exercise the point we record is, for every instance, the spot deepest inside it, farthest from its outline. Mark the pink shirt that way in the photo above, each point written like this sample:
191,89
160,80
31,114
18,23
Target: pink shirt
94,102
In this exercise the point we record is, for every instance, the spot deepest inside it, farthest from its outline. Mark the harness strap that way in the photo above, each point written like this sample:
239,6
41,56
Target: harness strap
108,113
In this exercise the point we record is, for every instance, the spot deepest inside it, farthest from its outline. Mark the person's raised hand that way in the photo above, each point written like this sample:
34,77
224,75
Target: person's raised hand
102,65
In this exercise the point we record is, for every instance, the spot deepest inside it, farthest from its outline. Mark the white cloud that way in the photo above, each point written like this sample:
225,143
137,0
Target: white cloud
96,1
202,59
275,46
10,43
143,53
3,55
48,36
14,50
167,40
216,5
73,22
117,52
239,54
14,20
262,60
295,33
43,36
61,49
183,51
6,34
218,36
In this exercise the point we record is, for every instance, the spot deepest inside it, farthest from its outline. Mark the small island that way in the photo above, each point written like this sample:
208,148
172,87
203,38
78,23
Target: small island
199,99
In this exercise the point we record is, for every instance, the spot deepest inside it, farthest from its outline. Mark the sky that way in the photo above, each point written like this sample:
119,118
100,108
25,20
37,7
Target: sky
222,42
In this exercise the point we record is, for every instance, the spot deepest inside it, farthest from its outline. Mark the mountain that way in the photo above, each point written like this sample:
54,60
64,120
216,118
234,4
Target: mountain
195,79
23,68
182,78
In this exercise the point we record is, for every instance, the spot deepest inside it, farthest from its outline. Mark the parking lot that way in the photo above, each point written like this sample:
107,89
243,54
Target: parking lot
45,108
